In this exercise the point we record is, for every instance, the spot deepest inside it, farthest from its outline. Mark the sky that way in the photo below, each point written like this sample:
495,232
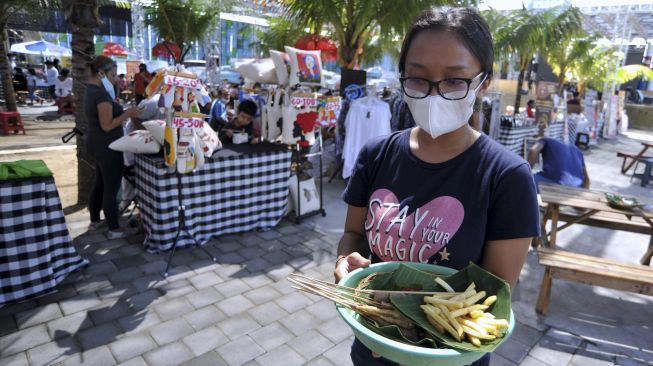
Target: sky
516,4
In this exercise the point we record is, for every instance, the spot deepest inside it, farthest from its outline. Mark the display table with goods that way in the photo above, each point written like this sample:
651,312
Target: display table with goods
37,252
240,188
512,137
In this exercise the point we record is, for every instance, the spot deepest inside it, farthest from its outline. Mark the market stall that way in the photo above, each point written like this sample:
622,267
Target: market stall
512,137
240,188
37,251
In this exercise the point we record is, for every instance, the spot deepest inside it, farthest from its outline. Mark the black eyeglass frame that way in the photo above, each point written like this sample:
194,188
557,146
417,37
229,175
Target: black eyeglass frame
436,84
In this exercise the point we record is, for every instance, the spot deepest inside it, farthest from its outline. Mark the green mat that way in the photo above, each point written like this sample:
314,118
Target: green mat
22,169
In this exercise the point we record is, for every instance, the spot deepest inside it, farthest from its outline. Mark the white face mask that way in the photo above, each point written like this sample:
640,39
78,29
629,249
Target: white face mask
108,87
439,116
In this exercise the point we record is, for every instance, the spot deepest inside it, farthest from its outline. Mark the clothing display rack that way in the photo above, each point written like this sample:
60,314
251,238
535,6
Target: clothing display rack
299,159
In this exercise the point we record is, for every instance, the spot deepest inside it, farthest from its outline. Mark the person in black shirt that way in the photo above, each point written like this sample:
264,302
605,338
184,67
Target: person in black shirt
241,123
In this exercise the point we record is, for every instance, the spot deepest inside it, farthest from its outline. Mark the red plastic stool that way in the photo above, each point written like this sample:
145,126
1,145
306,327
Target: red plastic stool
9,125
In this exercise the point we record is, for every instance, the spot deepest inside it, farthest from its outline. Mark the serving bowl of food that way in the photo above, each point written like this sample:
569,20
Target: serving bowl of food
411,319
621,202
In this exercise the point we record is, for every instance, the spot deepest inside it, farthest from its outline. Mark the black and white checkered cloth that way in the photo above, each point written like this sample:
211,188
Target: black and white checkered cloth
556,131
513,137
241,188
36,251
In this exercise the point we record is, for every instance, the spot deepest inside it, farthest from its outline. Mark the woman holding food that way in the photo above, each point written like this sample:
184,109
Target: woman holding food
105,118
441,192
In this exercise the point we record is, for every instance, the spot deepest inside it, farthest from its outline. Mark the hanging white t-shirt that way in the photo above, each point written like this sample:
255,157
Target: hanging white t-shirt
366,119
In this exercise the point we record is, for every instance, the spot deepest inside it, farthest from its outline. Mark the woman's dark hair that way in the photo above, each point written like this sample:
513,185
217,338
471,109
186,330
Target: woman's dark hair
466,23
65,72
248,107
101,63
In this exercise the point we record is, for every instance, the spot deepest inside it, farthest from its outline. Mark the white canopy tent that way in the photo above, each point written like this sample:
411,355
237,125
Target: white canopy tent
42,48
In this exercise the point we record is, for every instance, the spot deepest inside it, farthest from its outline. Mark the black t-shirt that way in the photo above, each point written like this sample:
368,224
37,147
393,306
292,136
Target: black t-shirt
232,125
97,141
441,213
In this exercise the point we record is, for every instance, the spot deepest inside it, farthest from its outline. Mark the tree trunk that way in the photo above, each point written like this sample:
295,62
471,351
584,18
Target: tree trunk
520,81
5,72
83,50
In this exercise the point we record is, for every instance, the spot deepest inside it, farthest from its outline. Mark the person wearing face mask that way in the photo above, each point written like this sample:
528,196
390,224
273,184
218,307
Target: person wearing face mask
105,118
441,192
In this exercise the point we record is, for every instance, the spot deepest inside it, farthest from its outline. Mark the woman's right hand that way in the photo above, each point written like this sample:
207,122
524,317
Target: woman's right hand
133,112
349,263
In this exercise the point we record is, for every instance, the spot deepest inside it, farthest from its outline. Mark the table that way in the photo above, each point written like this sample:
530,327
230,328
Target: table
598,213
240,188
36,250
513,137
634,157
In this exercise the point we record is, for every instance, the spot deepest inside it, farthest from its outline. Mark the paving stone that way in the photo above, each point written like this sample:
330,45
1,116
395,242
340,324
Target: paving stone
130,250
125,275
234,305
232,287
323,309
206,279
302,262
177,289
270,235
19,359
129,347
498,360
227,271
555,347
291,239
339,355
155,267
136,361
113,243
580,360
293,301
627,361
170,331
311,344
280,273
277,257
513,350
100,269
251,253
7,325
283,287
526,335
89,239
103,314
205,340
300,322
53,352
150,281
114,293
79,303
100,356
178,272
271,336
172,354
144,299
257,279
229,246
38,315
281,356
129,261
68,325
173,308
204,265
138,322
288,229
240,351
98,336
250,240
530,361
261,295
238,325
23,340
257,264
209,358
204,317
232,258
267,313
204,297
61,292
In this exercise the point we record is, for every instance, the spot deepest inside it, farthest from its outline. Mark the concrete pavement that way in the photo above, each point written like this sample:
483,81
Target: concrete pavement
242,311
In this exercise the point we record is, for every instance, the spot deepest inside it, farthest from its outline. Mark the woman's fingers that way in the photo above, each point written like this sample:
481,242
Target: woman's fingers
349,263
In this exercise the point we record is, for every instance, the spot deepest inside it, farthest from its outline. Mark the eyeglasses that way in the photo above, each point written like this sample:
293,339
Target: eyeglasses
450,89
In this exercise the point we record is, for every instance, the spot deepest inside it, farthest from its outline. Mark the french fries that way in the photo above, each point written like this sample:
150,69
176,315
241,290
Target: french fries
462,316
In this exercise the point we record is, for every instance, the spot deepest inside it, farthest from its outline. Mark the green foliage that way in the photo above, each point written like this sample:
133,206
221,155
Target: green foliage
564,58
354,21
282,32
183,21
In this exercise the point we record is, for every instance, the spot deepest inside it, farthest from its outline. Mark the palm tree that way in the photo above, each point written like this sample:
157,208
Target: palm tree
8,9
526,34
563,57
353,21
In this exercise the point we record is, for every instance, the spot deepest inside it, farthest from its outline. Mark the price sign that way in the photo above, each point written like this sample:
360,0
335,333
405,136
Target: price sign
182,82
188,122
303,101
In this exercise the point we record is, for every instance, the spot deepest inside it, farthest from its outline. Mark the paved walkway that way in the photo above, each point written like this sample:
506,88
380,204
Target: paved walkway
242,311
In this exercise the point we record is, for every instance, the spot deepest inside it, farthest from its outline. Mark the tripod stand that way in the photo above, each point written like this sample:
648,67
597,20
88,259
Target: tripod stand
182,226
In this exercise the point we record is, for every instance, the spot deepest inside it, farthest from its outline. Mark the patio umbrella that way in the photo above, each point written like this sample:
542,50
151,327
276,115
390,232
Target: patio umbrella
312,42
43,48
164,49
114,49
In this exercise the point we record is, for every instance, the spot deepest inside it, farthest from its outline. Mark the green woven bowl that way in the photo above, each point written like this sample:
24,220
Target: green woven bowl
401,352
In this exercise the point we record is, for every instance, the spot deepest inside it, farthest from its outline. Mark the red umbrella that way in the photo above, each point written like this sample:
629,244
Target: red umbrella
313,42
167,49
113,49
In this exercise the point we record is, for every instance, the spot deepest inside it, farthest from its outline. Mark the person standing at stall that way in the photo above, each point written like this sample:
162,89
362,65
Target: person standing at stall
105,118
51,75
481,195
140,82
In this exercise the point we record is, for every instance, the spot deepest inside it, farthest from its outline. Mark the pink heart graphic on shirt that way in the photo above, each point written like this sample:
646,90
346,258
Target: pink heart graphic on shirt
397,233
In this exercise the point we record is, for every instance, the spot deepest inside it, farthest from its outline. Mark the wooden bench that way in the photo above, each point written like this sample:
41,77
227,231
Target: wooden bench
625,165
592,271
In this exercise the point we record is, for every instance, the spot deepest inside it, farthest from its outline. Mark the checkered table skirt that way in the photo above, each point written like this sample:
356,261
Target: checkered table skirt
241,188
556,131
36,251
513,137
